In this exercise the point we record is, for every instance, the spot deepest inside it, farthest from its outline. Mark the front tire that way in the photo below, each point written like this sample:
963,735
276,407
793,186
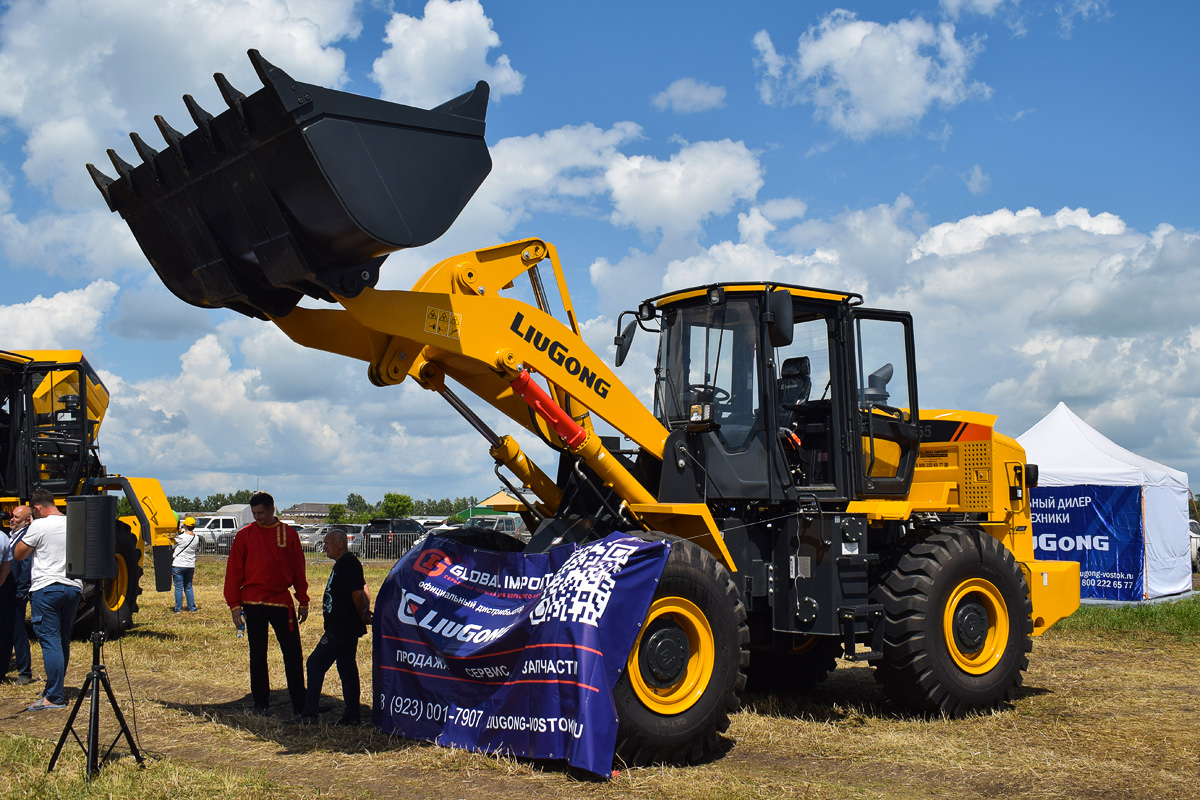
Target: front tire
957,624
118,599
687,668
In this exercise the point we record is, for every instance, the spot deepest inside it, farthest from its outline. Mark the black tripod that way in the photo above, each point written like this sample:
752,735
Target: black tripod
95,678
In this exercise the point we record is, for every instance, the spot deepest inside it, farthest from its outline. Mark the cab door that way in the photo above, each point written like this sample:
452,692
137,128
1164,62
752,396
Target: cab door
886,417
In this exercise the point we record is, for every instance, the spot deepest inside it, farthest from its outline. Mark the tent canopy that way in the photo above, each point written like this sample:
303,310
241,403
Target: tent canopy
1069,452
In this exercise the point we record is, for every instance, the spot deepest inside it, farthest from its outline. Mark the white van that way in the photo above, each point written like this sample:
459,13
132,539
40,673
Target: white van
227,519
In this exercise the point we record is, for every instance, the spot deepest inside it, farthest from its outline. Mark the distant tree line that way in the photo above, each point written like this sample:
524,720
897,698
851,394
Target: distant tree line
355,509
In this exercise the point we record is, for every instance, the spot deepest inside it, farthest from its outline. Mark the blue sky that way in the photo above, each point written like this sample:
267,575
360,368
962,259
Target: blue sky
1020,175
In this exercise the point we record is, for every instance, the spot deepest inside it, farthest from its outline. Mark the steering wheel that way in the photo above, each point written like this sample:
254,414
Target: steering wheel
717,394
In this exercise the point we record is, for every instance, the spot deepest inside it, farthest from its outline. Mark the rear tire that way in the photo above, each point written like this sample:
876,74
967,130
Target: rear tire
687,668
957,624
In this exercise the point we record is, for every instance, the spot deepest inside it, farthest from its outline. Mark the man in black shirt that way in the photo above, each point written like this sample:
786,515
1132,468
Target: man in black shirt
347,611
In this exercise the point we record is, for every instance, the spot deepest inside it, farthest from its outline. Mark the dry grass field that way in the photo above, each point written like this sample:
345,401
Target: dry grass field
1109,710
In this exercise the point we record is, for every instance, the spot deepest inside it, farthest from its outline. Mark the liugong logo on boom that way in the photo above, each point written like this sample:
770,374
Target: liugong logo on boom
558,353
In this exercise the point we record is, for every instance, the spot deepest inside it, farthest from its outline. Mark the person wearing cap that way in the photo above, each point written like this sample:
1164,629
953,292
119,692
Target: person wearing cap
183,564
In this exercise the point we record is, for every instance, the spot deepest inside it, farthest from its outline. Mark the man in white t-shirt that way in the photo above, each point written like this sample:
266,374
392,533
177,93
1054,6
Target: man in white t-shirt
56,597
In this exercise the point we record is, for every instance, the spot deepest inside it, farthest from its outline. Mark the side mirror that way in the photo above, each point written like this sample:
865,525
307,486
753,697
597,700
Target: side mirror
623,341
779,329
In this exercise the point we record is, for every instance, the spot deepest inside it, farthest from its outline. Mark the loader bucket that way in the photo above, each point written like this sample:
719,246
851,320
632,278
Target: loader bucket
296,190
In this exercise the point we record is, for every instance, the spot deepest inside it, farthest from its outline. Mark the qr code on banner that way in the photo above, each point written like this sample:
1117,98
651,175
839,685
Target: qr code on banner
579,592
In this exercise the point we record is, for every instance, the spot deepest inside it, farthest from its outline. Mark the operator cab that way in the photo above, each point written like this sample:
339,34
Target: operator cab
781,392
50,405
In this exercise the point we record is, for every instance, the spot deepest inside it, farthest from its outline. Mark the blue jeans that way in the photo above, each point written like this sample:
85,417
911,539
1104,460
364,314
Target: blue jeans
182,576
54,610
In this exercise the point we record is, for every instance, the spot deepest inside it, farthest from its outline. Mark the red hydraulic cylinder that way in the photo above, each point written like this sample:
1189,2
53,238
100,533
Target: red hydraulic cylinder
537,398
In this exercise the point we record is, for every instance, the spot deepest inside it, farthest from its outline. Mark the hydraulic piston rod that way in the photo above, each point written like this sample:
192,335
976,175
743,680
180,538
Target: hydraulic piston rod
507,452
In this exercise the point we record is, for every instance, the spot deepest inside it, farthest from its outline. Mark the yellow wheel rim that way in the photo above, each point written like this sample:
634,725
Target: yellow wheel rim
694,677
116,588
803,643
975,625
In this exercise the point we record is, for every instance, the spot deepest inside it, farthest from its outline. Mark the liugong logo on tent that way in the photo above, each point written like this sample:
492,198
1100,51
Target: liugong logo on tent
1066,543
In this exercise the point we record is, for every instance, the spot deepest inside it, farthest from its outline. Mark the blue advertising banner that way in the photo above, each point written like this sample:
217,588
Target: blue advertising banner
1101,528
512,653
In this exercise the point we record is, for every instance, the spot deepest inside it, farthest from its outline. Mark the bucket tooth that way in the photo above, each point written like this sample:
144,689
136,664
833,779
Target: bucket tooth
147,154
233,98
202,118
231,95
144,150
102,182
171,136
268,73
123,168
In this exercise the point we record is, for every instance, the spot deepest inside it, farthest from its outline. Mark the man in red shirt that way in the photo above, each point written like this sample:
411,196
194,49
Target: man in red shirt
266,559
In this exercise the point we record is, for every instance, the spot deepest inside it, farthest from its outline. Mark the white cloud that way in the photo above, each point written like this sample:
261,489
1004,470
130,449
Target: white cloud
79,77
972,233
307,421
865,78
783,208
433,59
688,96
987,8
977,181
66,320
1069,10
561,170
71,244
676,196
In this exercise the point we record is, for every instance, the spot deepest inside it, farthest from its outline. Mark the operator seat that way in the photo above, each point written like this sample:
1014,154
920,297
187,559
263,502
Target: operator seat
795,382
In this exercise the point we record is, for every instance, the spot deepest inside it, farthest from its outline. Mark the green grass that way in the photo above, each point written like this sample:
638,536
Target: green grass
25,777
1180,618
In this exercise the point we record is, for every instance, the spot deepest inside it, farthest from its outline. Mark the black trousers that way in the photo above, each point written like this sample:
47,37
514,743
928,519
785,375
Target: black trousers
342,650
8,621
287,633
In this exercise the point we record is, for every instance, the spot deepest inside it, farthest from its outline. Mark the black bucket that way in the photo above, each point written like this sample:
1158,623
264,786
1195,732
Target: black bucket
296,190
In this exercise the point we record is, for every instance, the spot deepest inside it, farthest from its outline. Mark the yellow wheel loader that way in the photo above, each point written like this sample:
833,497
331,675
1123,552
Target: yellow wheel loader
817,511
52,404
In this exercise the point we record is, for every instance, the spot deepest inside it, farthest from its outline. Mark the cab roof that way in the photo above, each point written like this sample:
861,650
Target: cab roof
807,292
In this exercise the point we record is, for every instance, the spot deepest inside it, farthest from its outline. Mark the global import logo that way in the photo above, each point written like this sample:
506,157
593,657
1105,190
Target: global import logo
432,563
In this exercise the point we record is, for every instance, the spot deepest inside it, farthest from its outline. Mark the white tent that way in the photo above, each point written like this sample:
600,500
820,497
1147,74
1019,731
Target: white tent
1071,453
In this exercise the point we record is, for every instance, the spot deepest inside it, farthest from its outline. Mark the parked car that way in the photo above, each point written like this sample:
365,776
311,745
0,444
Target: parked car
354,536
311,536
225,542
510,524
226,519
390,537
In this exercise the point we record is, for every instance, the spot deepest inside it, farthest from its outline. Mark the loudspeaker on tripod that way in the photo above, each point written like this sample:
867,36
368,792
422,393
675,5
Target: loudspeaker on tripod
92,537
